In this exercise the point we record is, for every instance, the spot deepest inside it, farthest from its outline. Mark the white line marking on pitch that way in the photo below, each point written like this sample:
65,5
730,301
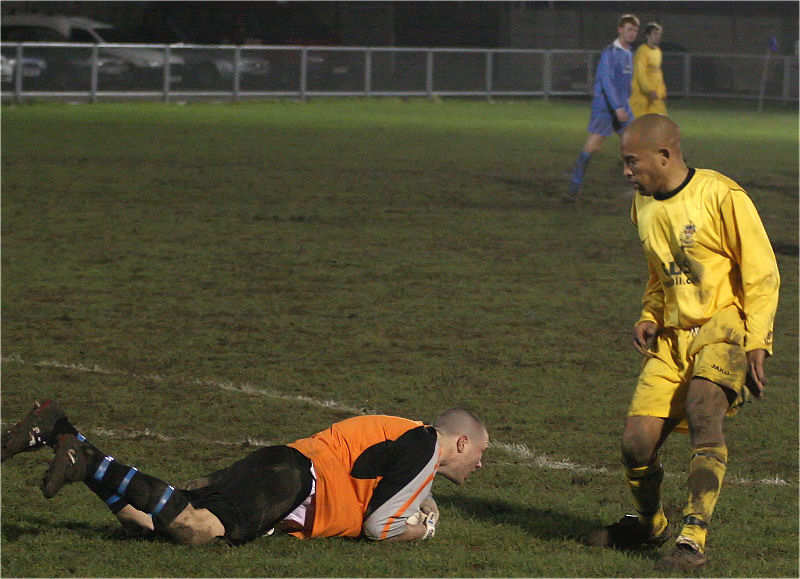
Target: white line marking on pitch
520,451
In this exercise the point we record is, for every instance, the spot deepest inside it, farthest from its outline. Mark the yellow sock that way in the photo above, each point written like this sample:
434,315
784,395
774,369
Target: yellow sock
706,471
644,483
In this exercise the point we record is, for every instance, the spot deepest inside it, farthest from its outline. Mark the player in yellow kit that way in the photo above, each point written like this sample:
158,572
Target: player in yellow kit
704,330
648,91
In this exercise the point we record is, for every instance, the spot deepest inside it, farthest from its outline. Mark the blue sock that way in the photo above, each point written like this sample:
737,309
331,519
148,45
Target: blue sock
580,168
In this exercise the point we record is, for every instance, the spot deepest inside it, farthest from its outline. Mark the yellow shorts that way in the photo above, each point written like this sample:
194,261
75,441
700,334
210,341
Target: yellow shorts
714,351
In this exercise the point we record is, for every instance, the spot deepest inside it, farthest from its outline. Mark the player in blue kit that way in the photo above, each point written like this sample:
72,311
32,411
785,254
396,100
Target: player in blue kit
611,111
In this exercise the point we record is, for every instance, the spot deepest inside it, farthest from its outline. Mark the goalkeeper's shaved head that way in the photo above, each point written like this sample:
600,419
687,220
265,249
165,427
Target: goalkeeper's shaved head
463,440
457,421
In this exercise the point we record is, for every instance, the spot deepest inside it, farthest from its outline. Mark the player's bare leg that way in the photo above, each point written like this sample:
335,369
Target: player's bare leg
641,439
706,405
195,527
135,522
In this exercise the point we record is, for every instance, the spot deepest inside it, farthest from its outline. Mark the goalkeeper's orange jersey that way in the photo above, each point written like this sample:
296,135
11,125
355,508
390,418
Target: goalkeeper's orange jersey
372,473
706,249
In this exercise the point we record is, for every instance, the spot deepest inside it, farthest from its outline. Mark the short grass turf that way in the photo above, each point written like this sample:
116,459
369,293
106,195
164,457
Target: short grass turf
192,281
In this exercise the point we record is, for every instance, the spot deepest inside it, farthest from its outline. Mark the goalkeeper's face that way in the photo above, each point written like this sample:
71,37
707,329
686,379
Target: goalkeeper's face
466,457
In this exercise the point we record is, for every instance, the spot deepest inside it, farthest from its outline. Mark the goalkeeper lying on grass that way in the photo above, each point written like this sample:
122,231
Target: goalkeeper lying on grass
365,476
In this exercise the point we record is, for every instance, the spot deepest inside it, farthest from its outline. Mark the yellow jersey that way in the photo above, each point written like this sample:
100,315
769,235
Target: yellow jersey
648,78
706,249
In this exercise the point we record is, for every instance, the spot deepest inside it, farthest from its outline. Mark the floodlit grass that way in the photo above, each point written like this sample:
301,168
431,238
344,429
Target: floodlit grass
193,280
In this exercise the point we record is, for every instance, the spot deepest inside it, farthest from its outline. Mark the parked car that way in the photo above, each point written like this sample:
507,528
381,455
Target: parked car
117,65
31,68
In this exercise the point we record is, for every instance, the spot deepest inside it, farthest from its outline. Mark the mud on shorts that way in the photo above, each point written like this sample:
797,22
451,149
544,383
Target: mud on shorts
253,494
714,351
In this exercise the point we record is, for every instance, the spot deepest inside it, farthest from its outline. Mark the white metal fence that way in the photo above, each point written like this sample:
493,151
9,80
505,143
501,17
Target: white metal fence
166,72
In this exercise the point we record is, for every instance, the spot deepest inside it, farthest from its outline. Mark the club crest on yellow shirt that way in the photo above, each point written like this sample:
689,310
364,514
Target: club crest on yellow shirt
687,236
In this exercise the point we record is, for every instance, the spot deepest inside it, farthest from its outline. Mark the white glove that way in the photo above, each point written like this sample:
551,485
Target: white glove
428,515
430,524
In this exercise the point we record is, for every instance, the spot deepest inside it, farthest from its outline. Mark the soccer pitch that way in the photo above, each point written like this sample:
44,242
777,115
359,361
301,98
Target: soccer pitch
193,281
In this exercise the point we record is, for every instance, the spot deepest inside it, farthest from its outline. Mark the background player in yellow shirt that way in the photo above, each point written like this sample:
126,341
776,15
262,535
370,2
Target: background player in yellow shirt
704,330
648,91
365,476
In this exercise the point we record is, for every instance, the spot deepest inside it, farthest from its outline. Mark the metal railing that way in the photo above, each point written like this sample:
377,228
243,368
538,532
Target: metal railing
177,71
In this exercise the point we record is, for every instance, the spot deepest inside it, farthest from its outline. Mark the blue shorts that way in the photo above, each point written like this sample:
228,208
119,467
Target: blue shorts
605,122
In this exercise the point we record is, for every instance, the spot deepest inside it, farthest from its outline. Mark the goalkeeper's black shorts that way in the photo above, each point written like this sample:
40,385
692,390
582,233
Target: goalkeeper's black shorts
256,492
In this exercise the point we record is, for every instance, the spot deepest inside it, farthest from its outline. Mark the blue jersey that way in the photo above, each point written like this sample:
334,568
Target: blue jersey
612,84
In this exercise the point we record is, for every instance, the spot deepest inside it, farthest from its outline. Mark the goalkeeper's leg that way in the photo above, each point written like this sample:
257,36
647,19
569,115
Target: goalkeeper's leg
139,493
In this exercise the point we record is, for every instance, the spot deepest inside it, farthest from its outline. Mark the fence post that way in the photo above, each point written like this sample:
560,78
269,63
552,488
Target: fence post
18,75
303,72
547,74
787,74
429,73
94,75
367,71
687,75
237,61
167,55
488,74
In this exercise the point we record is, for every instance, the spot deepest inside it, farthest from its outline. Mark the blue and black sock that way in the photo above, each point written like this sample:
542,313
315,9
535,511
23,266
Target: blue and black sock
118,484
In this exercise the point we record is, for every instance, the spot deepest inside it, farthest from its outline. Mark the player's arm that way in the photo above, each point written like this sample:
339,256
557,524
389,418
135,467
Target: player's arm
605,70
642,74
413,532
422,524
395,509
748,242
652,314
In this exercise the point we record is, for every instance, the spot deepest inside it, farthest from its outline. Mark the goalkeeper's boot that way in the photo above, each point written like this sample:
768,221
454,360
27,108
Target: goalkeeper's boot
627,533
683,557
68,465
33,431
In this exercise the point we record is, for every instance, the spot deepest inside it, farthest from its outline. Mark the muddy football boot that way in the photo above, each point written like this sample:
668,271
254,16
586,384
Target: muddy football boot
682,558
32,432
627,534
68,465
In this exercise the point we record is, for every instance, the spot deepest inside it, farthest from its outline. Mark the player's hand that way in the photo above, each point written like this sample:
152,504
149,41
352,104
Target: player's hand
653,95
756,380
427,521
431,512
644,336
622,115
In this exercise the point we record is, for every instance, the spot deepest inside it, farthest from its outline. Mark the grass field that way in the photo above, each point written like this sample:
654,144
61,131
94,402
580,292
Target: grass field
191,281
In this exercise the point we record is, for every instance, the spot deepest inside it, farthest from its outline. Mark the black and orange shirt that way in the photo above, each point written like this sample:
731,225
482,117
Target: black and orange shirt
372,474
